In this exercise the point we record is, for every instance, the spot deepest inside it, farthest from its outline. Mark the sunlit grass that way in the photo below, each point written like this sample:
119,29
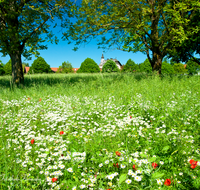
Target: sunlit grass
119,131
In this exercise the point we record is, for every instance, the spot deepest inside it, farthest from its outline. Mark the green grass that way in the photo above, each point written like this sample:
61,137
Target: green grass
145,118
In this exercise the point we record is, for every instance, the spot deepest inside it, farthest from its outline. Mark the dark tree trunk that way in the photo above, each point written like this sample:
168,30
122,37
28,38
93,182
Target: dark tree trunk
17,70
157,62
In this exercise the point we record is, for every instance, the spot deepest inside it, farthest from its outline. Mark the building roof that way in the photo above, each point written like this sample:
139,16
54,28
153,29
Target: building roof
54,69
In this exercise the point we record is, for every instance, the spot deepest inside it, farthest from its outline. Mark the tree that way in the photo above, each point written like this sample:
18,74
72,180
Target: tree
192,67
2,72
130,66
109,67
40,66
25,64
179,68
89,66
186,39
145,66
167,68
8,68
133,26
21,25
65,68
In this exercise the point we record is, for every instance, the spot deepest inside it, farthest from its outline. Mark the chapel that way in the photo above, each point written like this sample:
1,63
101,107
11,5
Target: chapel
103,61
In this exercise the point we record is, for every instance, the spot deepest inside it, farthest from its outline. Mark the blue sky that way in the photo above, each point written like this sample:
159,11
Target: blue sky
56,54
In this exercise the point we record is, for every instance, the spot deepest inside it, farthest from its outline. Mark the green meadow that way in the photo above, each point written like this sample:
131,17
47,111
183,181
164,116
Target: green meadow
100,131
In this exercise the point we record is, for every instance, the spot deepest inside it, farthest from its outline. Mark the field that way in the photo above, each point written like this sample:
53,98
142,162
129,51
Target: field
100,131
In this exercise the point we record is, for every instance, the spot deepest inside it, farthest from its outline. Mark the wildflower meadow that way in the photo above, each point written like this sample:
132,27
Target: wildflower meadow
100,132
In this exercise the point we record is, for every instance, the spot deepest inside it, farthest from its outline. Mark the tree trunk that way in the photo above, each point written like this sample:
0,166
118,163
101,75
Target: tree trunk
17,70
157,62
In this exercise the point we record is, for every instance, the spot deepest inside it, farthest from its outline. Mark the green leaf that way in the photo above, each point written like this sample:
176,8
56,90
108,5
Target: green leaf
122,178
152,159
157,175
165,148
143,155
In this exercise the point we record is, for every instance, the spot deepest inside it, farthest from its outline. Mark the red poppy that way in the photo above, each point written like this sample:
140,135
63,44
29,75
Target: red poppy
61,132
29,98
130,117
32,141
61,154
118,153
167,182
54,179
40,99
193,164
134,167
154,165
116,165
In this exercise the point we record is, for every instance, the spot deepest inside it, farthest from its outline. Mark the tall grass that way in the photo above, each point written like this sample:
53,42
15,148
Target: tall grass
146,124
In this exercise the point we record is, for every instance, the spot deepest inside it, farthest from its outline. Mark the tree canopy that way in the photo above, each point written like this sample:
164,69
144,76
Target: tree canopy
21,25
133,26
40,66
130,66
186,41
89,66
109,67
66,67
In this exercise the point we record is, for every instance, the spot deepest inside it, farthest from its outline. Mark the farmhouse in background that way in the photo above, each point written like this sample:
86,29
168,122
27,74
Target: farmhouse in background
103,61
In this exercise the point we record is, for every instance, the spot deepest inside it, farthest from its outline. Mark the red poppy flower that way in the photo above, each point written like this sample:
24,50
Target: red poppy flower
54,179
32,141
154,165
130,117
116,165
61,132
118,153
40,99
29,98
167,182
134,167
193,164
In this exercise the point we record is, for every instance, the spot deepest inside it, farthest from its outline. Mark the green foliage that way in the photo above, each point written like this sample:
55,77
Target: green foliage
110,66
145,66
192,67
167,68
25,64
179,68
65,68
130,66
2,72
40,66
89,66
8,68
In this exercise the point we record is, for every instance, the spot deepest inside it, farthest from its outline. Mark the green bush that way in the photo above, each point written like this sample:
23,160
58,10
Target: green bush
166,68
8,68
110,66
179,68
66,67
192,67
2,72
130,66
89,66
145,66
40,66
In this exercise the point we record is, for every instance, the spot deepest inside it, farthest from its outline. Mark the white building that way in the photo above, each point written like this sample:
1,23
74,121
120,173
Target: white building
103,61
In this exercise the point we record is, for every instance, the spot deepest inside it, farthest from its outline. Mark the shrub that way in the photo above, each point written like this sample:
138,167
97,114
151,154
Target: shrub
145,67
166,68
110,66
179,68
192,67
2,72
130,66
89,66
66,67
8,68
40,66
